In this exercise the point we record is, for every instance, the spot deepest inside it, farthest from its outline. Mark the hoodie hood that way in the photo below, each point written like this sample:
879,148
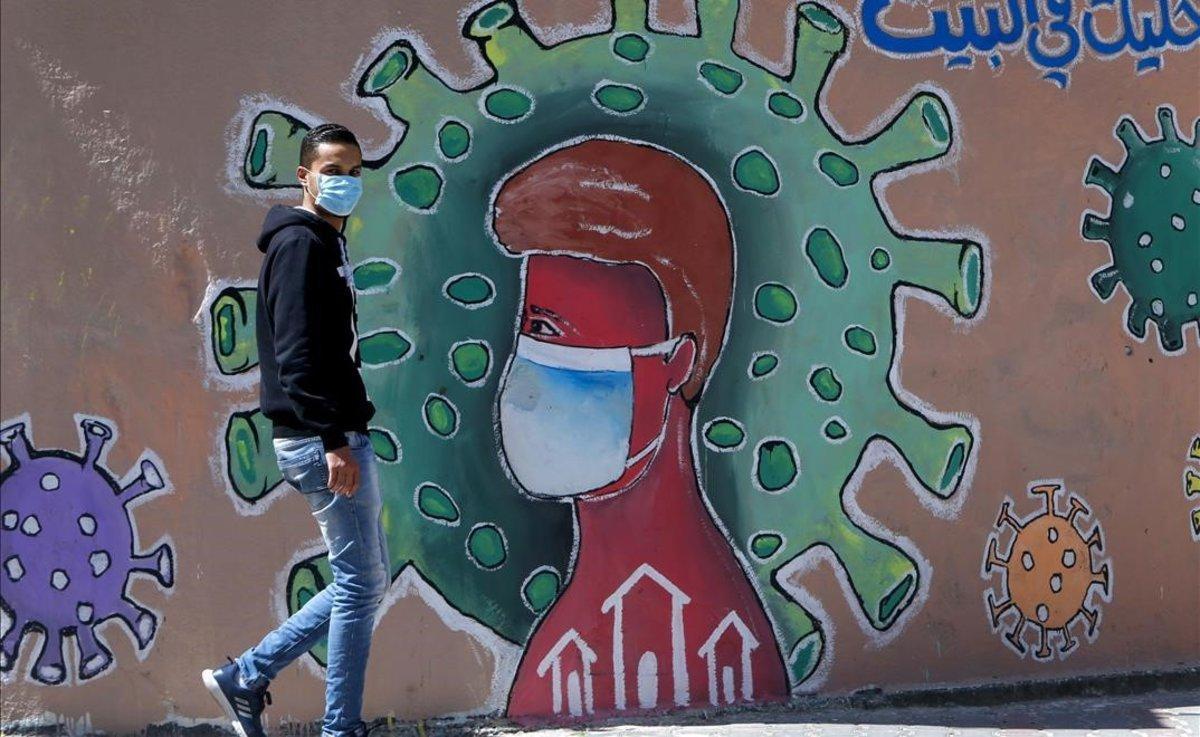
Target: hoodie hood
286,216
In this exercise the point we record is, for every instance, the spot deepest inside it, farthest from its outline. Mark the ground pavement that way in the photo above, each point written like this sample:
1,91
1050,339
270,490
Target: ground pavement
1154,714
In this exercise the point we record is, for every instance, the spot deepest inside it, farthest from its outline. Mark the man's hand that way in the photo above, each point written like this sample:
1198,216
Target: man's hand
343,471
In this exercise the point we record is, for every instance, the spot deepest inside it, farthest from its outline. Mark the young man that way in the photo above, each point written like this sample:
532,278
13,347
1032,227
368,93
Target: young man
312,392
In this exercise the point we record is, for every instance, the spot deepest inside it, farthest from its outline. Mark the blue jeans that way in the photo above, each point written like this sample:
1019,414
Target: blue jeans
344,611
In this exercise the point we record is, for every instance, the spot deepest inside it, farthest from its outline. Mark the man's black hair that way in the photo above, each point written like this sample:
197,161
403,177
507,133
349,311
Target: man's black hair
324,133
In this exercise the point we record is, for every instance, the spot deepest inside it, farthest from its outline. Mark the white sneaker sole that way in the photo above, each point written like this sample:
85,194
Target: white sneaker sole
219,696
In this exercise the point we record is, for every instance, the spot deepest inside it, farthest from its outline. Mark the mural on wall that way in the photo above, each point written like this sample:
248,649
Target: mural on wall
70,551
740,388
1050,576
1151,229
1052,34
1191,483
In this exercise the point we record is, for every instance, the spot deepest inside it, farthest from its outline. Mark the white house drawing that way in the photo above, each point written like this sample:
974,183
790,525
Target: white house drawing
647,665
732,623
578,686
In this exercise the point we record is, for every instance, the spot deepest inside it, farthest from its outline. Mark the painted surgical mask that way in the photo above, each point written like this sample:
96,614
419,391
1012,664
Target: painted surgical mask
566,416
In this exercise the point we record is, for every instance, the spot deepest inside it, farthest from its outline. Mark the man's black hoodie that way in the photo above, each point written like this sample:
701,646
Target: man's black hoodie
307,339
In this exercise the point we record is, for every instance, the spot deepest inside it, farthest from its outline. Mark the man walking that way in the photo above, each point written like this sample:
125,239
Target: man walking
312,393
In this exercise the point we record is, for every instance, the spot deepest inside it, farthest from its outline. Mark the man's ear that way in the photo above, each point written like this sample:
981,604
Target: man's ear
681,363
302,175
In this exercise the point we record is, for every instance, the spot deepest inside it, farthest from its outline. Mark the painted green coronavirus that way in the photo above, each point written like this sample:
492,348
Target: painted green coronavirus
801,397
1152,228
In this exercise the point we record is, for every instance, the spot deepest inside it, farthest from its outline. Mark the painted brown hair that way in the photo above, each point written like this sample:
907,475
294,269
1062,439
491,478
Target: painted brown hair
623,202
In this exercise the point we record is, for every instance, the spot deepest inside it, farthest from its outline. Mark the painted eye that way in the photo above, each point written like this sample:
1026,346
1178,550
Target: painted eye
543,327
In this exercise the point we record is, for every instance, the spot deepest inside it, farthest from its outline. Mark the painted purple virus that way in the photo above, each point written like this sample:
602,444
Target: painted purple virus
68,550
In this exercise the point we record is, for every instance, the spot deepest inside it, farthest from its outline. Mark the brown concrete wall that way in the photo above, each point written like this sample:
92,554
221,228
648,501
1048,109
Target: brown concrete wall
124,127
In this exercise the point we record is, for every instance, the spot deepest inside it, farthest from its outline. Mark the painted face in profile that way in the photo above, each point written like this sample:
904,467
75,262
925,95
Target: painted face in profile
583,401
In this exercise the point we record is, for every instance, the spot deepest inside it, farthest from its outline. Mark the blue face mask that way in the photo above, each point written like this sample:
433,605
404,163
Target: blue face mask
566,416
337,193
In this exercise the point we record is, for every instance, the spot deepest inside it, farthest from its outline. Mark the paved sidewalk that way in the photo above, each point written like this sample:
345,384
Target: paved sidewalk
1162,713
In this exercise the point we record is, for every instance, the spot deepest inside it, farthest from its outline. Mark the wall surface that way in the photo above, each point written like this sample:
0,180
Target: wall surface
938,276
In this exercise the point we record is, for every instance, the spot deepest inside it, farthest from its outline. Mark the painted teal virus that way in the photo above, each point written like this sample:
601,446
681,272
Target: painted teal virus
802,395
1152,228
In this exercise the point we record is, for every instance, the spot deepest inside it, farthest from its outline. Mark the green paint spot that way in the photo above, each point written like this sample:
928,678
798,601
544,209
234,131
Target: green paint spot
469,289
619,98
387,72
374,275
720,77
765,544
785,106
860,340
763,364
825,253
935,122
232,316
774,302
486,546
805,657
880,259
754,172
507,104
386,346
491,18
470,361
303,596
250,457
436,504
954,464
967,299
384,445
453,139
441,415
893,599
825,383
418,186
840,170
631,47
835,430
225,330
724,434
541,590
258,152
776,465
821,18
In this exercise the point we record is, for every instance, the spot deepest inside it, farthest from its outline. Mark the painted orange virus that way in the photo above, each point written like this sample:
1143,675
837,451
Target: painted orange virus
1050,575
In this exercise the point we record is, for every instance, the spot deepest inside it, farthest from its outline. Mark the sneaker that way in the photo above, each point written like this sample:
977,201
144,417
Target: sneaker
243,706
